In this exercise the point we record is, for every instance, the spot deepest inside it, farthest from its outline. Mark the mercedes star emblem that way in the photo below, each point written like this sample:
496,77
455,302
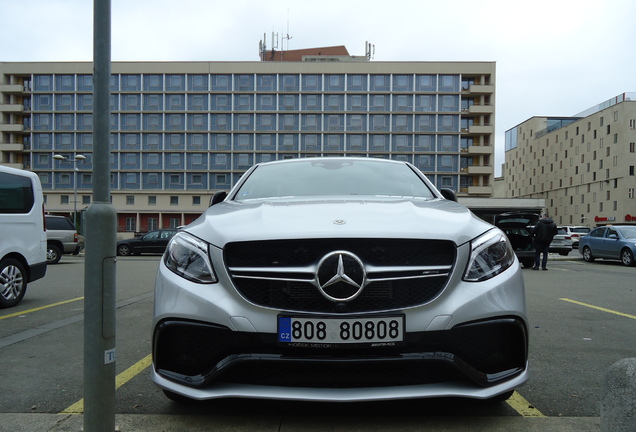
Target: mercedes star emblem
341,276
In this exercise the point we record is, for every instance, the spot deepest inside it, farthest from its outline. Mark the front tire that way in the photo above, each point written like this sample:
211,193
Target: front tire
13,282
53,254
527,263
123,250
587,254
627,257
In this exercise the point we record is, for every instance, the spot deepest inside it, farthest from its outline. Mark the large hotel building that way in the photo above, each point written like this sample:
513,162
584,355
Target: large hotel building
182,130
583,166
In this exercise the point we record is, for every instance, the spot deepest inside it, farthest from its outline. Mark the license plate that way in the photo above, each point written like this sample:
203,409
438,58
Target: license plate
341,330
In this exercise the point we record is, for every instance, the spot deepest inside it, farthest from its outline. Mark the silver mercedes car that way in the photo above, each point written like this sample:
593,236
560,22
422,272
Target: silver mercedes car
339,279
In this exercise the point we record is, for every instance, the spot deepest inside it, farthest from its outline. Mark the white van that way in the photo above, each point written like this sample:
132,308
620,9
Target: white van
22,233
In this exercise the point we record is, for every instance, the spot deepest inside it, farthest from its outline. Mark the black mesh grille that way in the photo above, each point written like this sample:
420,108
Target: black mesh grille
378,252
340,375
197,354
304,296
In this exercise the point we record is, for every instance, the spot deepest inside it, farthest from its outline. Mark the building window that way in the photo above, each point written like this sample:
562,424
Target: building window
196,200
632,147
152,200
130,199
65,178
631,192
86,199
174,200
130,224
64,199
631,170
152,223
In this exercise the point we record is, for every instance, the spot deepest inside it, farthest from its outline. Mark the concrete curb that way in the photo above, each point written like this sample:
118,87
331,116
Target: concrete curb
202,423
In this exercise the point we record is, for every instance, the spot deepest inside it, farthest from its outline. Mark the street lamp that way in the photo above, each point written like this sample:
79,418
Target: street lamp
78,157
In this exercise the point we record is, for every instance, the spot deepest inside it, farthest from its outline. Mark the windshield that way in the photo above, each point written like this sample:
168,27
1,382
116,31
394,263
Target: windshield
330,177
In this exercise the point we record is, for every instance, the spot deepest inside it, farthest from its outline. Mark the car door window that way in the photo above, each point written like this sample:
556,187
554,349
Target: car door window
151,236
600,232
167,234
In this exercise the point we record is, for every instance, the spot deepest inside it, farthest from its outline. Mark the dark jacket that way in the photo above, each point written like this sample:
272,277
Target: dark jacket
545,231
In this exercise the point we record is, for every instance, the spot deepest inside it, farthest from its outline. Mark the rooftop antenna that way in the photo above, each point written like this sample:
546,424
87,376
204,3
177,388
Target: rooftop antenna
287,36
262,47
274,45
369,50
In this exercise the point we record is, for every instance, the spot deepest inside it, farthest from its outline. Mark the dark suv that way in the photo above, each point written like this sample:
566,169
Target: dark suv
61,238
517,226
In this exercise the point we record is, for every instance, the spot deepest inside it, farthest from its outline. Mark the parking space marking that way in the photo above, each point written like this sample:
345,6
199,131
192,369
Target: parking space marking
522,406
120,380
40,308
600,308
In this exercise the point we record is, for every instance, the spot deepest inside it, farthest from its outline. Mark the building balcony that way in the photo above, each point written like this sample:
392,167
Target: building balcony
481,109
481,150
11,108
481,89
480,190
15,165
11,127
478,129
476,169
11,147
12,88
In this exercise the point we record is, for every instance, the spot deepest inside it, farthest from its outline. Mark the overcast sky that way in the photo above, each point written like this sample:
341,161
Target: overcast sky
554,57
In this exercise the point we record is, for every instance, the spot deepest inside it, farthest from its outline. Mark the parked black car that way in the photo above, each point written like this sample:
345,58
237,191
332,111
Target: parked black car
151,242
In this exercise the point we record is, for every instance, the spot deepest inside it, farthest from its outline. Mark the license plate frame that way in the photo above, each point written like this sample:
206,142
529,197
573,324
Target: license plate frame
324,331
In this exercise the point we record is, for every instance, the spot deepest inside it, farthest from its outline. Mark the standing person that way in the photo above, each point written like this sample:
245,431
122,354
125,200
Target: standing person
544,232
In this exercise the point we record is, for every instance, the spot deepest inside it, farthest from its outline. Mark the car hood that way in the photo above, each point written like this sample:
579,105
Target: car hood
231,221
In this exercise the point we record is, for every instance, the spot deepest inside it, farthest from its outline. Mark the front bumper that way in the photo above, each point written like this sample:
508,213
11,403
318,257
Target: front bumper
209,342
477,359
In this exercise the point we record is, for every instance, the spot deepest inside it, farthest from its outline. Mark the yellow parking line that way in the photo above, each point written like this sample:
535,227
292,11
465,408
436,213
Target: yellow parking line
120,380
40,308
522,406
600,308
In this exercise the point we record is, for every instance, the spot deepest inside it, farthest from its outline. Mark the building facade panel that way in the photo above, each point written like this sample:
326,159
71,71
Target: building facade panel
583,166
195,127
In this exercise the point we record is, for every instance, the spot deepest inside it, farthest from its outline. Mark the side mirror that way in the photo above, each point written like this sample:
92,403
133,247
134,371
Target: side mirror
449,194
218,197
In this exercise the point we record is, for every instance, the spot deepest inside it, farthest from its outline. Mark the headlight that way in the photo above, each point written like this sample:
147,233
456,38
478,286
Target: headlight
188,257
490,255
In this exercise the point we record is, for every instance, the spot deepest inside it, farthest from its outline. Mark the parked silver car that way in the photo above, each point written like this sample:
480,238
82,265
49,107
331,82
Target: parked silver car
61,238
561,243
575,233
339,279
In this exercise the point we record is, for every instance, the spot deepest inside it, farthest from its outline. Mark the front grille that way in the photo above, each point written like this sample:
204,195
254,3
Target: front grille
282,274
362,374
197,354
